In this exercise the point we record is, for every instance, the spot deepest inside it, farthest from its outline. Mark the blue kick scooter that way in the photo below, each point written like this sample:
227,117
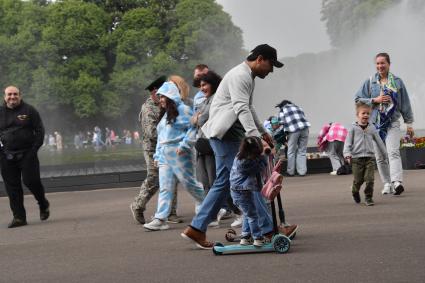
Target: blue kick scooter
232,236
279,242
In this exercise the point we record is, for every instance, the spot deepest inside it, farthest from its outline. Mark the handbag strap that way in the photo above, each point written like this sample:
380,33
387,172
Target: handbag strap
278,167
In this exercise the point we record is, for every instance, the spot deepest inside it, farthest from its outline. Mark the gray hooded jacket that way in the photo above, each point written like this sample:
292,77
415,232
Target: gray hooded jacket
359,142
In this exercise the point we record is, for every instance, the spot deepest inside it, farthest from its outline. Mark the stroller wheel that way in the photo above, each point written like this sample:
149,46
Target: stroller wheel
231,235
281,244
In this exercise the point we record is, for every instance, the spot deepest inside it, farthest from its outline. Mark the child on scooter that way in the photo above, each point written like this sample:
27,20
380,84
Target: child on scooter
245,178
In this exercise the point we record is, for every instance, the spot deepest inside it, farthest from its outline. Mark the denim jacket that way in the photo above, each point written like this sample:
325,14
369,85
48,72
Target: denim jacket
246,173
371,89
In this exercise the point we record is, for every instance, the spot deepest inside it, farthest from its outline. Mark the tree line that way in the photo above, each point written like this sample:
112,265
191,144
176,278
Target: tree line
80,62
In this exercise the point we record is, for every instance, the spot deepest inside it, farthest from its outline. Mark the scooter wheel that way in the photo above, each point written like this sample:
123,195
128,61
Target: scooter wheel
281,244
230,235
217,245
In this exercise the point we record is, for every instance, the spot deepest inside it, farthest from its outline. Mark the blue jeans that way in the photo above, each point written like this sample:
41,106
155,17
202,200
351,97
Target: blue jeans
297,149
225,153
245,201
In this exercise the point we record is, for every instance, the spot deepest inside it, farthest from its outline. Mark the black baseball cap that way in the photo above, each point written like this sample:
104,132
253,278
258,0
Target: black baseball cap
156,83
267,52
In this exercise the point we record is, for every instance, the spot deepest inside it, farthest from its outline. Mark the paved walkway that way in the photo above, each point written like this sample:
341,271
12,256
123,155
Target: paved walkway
91,237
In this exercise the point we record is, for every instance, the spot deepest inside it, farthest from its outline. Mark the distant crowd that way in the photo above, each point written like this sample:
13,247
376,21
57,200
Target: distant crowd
97,139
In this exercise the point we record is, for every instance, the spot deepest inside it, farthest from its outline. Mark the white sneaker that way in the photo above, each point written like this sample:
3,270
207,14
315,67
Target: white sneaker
156,225
259,242
388,189
237,223
333,173
245,241
214,224
220,214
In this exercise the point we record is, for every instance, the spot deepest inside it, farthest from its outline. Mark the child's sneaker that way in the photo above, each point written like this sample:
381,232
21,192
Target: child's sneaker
156,225
369,202
356,197
259,242
246,240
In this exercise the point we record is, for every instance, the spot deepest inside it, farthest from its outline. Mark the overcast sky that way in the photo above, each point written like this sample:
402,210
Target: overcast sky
291,26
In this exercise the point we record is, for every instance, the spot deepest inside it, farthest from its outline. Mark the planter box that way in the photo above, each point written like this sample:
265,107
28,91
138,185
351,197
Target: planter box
314,166
410,156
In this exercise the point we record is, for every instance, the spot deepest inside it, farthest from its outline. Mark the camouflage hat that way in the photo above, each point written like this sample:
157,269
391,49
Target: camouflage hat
156,83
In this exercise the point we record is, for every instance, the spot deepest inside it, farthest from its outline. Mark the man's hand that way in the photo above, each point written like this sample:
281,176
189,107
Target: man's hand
410,132
382,99
268,139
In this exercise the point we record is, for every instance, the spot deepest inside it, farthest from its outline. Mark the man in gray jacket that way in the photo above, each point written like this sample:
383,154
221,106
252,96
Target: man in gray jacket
232,116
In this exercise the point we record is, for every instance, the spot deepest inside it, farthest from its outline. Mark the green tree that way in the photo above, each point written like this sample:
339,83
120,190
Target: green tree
346,20
78,60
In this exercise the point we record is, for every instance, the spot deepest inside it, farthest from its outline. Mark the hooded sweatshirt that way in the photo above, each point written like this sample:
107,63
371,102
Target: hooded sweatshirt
359,142
179,133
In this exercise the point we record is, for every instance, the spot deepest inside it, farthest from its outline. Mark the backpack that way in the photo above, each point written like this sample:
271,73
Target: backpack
344,170
274,184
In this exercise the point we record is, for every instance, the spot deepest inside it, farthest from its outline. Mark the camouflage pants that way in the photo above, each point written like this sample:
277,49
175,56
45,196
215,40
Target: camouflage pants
150,186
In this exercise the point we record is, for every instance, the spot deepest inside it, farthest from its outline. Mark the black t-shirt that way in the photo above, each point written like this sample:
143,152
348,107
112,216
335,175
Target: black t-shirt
235,133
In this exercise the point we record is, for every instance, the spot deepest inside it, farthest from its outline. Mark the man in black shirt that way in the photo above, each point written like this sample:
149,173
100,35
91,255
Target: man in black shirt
21,136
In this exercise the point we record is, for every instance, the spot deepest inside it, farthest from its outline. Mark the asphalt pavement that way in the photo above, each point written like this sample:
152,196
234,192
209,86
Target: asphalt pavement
91,237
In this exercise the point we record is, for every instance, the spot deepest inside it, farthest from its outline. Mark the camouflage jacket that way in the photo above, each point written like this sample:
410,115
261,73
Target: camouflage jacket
149,118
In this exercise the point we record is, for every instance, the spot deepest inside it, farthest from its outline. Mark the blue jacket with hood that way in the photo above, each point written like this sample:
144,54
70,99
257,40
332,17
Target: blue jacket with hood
179,133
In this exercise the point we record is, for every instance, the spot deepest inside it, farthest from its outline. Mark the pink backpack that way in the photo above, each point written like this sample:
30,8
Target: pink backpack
274,183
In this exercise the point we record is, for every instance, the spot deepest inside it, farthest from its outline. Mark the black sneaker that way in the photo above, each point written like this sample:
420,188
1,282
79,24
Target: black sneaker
45,212
398,190
370,202
17,222
286,174
173,218
356,197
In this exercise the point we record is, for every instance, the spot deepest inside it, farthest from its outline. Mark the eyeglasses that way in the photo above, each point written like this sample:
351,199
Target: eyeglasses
12,94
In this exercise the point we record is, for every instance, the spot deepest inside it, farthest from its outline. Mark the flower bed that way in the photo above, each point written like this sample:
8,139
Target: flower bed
412,152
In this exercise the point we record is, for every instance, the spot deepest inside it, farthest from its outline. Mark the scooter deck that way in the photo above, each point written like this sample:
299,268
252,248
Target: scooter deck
220,249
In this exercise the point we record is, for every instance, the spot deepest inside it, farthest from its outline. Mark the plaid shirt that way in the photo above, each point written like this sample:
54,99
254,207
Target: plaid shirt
330,133
292,118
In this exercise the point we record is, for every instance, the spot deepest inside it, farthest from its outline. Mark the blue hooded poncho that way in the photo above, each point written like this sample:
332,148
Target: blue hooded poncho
180,133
